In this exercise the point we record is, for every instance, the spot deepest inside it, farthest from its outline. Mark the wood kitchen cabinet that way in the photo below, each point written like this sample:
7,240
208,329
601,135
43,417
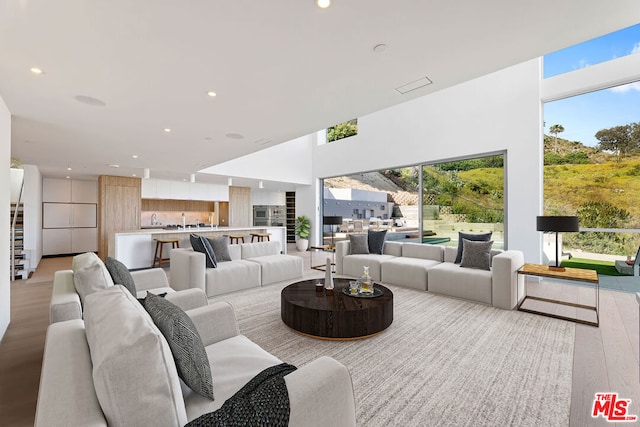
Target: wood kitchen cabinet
118,209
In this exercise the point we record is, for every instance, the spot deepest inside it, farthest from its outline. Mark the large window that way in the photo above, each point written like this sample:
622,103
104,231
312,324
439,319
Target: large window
465,195
601,49
592,169
342,130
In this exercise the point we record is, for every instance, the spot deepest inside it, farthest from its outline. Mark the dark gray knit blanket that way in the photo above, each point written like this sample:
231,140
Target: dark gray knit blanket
263,401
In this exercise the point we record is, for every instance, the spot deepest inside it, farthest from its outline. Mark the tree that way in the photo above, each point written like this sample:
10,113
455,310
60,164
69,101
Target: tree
619,139
342,130
555,130
595,214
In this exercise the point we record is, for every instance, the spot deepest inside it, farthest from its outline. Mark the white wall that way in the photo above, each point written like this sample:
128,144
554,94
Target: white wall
494,113
5,159
286,162
32,199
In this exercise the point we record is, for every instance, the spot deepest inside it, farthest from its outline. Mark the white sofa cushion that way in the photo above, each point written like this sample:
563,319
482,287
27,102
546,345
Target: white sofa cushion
409,272
420,250
134,374
234,362
468,283
259,249
89,274
232,276
276,268
353,265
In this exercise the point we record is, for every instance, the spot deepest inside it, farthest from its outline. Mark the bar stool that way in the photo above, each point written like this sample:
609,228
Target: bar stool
261,237
175,243
236,237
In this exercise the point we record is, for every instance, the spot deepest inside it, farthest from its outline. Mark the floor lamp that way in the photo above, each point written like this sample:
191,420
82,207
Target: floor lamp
331,221
557,224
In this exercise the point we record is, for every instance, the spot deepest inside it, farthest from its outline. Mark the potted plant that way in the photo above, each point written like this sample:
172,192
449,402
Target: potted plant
302,228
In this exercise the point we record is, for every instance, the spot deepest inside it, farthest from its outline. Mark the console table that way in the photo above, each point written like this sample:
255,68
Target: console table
575,274
323,248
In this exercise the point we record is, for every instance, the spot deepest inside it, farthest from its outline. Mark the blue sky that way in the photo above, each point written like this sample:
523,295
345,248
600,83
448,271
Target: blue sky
582,116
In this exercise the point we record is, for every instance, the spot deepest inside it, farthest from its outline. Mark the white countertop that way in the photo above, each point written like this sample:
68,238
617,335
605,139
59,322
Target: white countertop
193,230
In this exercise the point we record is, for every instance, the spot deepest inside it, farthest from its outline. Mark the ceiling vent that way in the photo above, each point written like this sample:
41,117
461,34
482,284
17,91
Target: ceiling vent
424,81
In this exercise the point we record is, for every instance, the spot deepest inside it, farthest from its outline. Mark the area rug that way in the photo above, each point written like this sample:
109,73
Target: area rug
443,361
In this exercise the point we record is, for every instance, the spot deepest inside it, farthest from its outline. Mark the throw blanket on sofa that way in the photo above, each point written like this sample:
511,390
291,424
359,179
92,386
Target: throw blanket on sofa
263,401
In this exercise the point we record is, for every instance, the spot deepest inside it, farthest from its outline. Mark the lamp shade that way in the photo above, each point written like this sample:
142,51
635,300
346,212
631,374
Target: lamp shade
332,220
557,223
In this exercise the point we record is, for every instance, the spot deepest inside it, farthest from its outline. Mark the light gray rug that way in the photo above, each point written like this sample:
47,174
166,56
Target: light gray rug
443,362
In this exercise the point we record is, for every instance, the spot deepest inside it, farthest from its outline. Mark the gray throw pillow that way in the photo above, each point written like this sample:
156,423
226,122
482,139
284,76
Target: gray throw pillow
359,243
485,237
185,343
376,241
201,244
476,254
120,274
220,247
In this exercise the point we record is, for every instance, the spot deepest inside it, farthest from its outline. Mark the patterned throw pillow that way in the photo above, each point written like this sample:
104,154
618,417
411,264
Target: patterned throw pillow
201,244
185,344
376,241
359,243
475,237
220,247
120,274
476,254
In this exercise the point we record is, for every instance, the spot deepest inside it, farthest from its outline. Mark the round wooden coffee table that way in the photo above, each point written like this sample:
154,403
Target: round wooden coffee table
332,314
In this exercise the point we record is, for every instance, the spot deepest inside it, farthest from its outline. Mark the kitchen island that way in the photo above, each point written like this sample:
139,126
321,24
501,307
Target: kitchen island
136,248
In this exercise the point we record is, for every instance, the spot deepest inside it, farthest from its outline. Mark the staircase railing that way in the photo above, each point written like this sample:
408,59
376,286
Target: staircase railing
13,232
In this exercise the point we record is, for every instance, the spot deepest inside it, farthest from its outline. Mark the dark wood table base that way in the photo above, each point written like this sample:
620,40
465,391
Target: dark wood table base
333,315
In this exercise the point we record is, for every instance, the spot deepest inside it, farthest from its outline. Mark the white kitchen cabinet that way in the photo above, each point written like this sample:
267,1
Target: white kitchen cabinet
163,189
198,191
179,190
277,198
84,215
84,191
149,189
84,240
56,190
56,215
67,215
56,241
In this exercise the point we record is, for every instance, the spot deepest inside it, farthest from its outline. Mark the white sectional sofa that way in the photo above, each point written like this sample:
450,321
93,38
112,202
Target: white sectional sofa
66,305
116,368
431,268
252,265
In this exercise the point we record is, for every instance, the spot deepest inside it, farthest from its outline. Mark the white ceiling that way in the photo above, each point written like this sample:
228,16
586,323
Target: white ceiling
280,70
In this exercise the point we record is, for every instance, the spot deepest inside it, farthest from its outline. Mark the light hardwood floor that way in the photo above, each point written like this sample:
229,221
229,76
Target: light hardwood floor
605,358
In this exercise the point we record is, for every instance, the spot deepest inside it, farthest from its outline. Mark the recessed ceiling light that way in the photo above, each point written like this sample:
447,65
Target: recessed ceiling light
135,156
234,136
134,175
167,130
68,168
67,177
114,166
36,70
211,93
323,4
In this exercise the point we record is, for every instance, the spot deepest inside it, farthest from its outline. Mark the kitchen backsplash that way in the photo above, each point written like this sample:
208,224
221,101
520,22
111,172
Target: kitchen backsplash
175,218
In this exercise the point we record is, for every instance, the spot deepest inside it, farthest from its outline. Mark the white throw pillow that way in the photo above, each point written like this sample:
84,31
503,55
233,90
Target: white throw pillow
134,374
89,274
